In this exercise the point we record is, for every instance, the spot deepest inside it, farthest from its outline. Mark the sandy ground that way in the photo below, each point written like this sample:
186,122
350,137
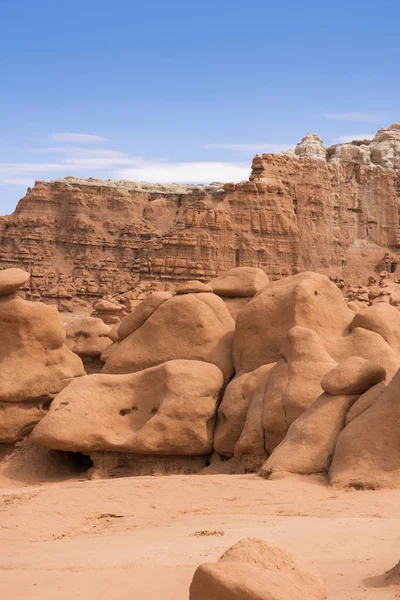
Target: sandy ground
141,538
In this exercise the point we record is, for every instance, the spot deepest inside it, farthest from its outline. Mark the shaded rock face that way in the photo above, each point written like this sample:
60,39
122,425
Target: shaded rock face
330,211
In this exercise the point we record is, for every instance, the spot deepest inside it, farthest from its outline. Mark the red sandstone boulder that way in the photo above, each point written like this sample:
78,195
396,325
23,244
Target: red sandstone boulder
256,570
165,410
190,327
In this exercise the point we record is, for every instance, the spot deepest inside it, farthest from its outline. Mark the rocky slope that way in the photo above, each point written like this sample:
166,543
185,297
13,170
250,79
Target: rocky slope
332,210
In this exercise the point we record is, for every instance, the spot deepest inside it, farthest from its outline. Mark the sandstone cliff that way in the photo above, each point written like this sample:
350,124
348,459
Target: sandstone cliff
333,211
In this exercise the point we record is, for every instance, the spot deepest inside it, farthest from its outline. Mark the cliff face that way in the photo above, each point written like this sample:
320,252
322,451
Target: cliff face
87,238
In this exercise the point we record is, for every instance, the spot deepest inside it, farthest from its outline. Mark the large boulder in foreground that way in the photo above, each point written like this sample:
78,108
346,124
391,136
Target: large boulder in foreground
166,410
367,453
256,570
190,326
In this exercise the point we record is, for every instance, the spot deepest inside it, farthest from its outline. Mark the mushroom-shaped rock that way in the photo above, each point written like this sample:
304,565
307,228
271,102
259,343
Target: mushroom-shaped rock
192,287
240,282
88,337
165,410
11,280
109,311
256,570
191,326
367,453
34,362
352,376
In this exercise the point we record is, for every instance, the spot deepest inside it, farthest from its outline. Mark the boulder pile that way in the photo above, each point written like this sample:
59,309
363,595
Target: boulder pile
298,385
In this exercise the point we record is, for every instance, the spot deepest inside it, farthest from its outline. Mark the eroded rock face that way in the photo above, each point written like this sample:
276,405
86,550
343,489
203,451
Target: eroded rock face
166,410
333,211
256,570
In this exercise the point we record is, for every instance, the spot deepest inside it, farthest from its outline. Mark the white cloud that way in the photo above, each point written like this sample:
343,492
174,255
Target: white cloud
353,116
77,138
76,151
104,162
345,139
185,172
261,146
158,171
23,181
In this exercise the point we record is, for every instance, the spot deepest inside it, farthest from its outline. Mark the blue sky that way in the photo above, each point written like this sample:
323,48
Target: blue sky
184,91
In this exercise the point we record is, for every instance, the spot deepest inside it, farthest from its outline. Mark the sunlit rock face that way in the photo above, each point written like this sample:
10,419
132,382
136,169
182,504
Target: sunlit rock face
331,210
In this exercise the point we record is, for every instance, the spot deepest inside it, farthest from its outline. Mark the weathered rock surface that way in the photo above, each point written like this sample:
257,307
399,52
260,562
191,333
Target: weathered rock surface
166,410
310,441
367,453
189,326
256,570
35,364
288,339
333,211
87,337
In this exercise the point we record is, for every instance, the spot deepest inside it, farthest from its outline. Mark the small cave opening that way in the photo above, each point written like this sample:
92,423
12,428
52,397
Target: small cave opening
75,462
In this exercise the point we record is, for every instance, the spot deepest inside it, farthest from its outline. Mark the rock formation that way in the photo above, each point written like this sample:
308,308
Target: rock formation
166,410
300,383
334,211
87,337
35,364
256,570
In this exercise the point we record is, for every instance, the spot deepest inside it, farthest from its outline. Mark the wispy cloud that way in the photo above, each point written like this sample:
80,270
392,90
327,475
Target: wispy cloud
75,151
345,139
254,147
353,116
22,181
76,138
112,164
185,172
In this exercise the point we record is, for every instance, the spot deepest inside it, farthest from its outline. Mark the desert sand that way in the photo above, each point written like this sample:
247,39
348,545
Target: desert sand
143,537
